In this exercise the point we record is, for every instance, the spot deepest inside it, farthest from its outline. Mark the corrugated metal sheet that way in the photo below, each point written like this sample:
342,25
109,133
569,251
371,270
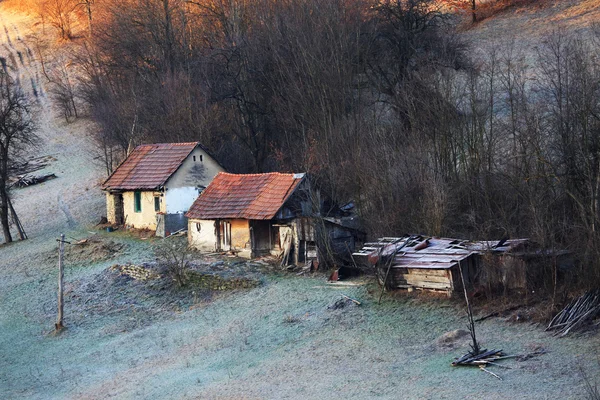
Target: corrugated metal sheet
245,196
441,253
149,166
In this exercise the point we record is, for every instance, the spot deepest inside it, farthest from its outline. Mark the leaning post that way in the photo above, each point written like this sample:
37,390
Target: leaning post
59,319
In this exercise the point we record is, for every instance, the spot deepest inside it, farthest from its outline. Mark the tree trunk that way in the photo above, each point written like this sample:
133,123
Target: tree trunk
4,221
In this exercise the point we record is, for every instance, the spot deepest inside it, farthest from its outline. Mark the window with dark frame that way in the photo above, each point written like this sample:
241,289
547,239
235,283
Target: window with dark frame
156,203
137,201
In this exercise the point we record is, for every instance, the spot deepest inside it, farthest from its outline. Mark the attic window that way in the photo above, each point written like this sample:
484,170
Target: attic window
200,157
194,157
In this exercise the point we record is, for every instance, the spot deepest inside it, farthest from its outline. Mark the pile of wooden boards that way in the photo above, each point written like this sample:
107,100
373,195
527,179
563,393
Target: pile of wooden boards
28,180
574,316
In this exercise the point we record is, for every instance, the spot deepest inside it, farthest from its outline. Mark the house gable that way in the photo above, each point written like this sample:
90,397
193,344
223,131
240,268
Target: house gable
193,175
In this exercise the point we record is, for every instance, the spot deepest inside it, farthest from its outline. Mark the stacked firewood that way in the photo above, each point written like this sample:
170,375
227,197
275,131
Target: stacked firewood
574,316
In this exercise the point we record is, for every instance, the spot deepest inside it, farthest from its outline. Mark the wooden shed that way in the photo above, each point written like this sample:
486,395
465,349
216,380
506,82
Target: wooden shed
418,262
429,263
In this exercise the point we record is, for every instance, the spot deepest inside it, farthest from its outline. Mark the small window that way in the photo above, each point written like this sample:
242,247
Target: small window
156,203
137,202
194,157
200,157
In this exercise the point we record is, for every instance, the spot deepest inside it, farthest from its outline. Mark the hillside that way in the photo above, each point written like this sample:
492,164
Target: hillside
73,199
527,27
288,338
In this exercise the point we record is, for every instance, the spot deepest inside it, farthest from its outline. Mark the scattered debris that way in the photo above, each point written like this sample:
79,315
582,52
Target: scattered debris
483,358
501,312
358,303
334,277
344,302
29,180
490,357
576,313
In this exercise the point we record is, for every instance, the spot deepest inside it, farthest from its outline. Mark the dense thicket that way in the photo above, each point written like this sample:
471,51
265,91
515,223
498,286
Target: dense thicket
377,100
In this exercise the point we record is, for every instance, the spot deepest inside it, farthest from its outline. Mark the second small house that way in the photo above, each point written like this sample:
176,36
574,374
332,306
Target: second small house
156,184
252,215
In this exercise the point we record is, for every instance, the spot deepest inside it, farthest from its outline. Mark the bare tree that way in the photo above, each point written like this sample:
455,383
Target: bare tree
17,129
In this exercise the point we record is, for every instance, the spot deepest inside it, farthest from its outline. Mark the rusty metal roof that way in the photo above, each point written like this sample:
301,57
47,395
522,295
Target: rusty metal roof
439,253
244,196
149,166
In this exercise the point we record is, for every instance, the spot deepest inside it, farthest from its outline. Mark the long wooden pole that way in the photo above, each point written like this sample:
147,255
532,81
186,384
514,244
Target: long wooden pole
475,345
59,319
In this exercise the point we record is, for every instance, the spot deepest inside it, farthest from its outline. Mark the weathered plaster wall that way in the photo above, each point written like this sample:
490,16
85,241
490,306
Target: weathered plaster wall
110,208
146,219
180,199
197,171
203,239
240,234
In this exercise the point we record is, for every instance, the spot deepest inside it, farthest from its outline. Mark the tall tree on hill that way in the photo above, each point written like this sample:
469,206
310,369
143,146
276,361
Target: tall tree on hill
17,130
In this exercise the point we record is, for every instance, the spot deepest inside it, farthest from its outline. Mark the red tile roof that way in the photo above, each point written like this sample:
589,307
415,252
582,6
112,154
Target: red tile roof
250,196
149,166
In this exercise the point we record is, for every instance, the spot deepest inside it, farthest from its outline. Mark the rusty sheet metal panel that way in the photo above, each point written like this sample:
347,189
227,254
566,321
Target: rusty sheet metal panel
149,166
246,196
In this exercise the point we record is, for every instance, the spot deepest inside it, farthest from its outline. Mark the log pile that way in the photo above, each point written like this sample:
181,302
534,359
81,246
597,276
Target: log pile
28,180
575,315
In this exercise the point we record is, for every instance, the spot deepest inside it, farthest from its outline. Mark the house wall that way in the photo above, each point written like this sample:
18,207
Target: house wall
240,237
146,219
201,234
184,186
110,208
205,239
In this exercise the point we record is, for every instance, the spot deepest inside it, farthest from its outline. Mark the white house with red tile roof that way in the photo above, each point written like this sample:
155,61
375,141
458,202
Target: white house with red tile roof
157,183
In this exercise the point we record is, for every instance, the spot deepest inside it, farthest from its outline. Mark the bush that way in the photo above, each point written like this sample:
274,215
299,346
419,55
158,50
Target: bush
173,255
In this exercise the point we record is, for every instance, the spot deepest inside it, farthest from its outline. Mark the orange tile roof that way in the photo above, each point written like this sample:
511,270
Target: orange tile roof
149,166
249,196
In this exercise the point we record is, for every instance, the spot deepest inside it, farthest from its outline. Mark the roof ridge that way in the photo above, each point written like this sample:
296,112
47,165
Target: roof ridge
169,144
263,174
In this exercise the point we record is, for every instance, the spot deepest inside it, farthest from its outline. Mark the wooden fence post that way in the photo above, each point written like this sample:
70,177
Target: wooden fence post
59,319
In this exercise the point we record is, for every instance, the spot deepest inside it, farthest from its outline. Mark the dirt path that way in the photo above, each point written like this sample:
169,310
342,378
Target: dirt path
73,199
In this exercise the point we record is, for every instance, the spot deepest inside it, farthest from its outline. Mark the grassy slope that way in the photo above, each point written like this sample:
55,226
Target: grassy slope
276,341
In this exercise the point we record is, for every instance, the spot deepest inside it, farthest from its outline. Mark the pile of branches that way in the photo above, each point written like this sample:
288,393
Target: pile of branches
573,317
28,180
482,360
